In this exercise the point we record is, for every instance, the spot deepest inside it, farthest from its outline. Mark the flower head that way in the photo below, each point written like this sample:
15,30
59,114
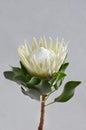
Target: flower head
42,70
43,60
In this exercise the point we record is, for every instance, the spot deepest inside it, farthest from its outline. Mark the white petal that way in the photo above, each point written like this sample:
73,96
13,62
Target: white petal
50,44
27,48
34,44
42,42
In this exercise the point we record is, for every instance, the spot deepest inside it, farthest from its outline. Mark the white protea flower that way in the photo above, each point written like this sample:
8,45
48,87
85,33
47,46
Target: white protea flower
43,60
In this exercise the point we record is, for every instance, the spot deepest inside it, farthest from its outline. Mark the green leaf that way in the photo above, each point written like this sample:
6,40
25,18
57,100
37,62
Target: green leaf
44,87
52,80
56,81
57,77
9,75
68,91
64,66
34,81
56,87
24,69
32,93
60,75
26,73
21,71
17,70
21,80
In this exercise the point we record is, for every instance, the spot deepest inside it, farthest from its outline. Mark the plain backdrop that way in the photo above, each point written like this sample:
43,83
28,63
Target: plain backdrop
24,19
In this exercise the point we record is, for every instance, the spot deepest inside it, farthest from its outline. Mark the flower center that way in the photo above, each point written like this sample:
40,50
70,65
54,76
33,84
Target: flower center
41,54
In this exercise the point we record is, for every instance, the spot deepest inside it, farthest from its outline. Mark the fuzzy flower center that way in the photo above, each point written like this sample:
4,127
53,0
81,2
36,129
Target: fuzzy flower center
42,54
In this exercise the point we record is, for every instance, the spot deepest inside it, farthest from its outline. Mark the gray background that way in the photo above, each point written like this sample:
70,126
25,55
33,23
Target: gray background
23,19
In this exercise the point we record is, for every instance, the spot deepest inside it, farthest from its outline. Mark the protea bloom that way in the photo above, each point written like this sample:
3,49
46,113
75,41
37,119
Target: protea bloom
43,60
42,72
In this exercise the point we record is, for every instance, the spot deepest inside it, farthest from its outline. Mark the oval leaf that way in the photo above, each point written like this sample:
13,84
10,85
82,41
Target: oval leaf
21,80
44,87
34,81
9,75
60,75
32,93
68,91
64,66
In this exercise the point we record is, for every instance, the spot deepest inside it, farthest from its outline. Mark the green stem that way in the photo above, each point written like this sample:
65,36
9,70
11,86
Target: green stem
50,94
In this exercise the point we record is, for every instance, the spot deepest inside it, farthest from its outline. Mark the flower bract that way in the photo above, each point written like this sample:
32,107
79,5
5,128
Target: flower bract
43,59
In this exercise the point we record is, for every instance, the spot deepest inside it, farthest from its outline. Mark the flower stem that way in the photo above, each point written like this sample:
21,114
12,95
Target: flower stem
41,124
49,103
